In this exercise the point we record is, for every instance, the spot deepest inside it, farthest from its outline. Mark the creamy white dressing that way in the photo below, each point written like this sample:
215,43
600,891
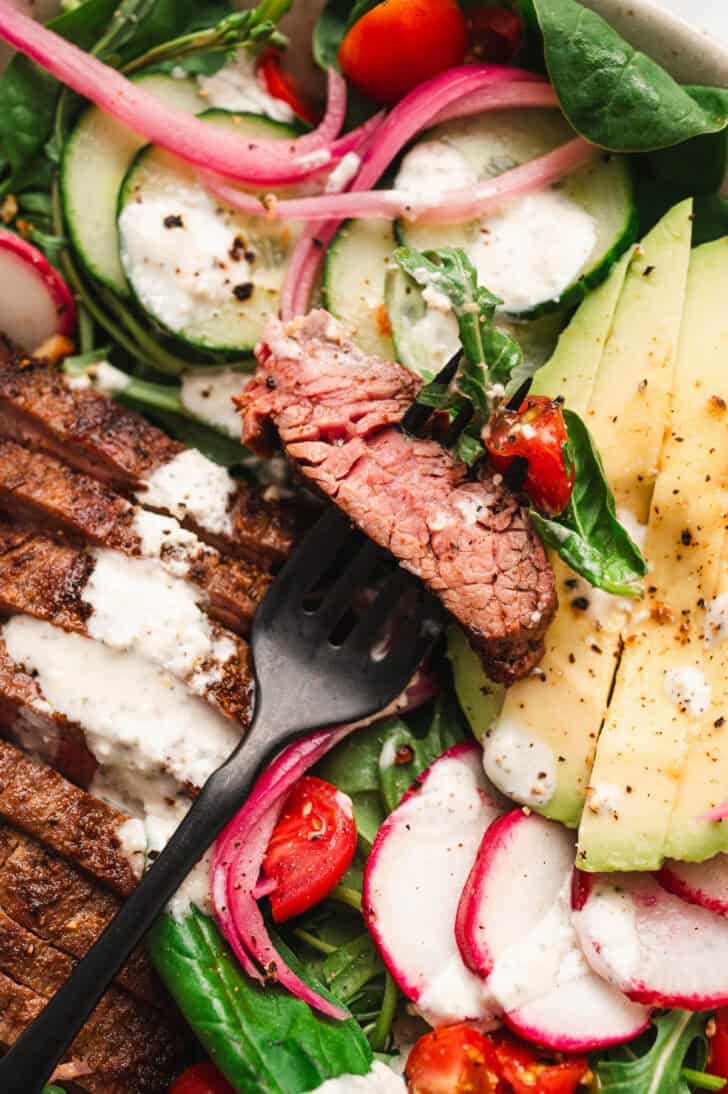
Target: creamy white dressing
137,606
102,376
437,332
192,486
431,169
716,619
186,271
208,394
547,958
636,529
237,86
518,763
380,1080
612,924
162,538
132,837
344,173
688,688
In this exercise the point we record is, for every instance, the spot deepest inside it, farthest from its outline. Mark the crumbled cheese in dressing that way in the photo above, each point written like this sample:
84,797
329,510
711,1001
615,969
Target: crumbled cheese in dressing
151,738
236,86
604,797
192,486
454,992
605,611
548,957
162,538
208,394
437,332
519,764
612,925
186,272
102,376
436,299
716,619
132,837
431,169
344,173
533,248
138,607
688,689
380,1080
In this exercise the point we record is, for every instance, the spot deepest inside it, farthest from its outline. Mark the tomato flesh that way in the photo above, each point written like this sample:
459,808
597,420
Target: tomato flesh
312,845
524,1073
494,34
201,1079
718,1055
453,1060
400,43
281,85
537,433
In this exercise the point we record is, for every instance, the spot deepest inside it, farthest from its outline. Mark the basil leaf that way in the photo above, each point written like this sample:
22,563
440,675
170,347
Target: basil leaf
588,536
614,95
397,771
263,1039
658,1069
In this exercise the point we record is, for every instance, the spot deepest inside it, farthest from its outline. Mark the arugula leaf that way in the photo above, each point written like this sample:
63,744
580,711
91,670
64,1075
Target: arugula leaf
659,1069
263,1039
614,95
588,536
396,777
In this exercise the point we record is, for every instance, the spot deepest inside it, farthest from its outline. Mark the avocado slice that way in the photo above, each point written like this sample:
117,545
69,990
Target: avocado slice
660,762
541,749
480,698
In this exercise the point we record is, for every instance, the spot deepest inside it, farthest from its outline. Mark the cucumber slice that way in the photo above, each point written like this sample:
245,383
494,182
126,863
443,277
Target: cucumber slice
425,339
544,251
206,274
96,157
356,264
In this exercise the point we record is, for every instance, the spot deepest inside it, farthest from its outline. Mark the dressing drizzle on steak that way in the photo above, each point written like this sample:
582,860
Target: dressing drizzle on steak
336,411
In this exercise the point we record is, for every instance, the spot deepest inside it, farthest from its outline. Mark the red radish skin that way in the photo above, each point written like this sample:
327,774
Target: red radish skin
701,883
658,949
410,898
514,929
38,305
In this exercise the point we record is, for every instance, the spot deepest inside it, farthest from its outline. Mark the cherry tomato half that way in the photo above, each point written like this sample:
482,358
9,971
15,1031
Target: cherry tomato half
494,34
400,43
524,1073
453,1060
311,847
718,1056
281,85
536,432
201,1079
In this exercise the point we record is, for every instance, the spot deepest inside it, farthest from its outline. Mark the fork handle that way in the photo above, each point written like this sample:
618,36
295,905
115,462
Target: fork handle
27,1066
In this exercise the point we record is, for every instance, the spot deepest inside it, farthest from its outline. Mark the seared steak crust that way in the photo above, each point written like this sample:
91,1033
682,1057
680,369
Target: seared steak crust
96,435
336,412
47,494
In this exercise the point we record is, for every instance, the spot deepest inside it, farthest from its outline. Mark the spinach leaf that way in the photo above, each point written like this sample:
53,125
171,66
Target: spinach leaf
405,756
588,536
659,1069
337,17
216,446
263,1039
665,177
614,95
352,966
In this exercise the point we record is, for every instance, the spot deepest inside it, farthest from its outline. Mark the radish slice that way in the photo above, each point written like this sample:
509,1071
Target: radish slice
37,303
702,883
415,873
654,946
514,927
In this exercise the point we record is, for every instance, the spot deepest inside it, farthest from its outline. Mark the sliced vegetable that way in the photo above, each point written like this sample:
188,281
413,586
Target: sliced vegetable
262,1039
281,85
355,268
400,43
414,875
566,236
588,536
526,1073
201,1079
654,946
536,432
702,883
37,302
453,1060
312,846
718,1053
96,158
207,275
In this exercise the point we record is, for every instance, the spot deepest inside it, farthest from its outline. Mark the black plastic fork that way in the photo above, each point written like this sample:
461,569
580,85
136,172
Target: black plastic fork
306,679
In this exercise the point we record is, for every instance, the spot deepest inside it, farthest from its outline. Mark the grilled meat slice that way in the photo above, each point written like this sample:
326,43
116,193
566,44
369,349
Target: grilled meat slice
50,580
336,411
98,436
47,494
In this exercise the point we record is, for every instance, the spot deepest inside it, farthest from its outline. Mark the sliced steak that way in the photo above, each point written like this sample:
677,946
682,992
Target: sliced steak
52,581
98,436
48,494
336,411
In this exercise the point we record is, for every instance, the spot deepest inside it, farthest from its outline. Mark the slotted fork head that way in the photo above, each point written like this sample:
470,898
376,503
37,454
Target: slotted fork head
330,651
